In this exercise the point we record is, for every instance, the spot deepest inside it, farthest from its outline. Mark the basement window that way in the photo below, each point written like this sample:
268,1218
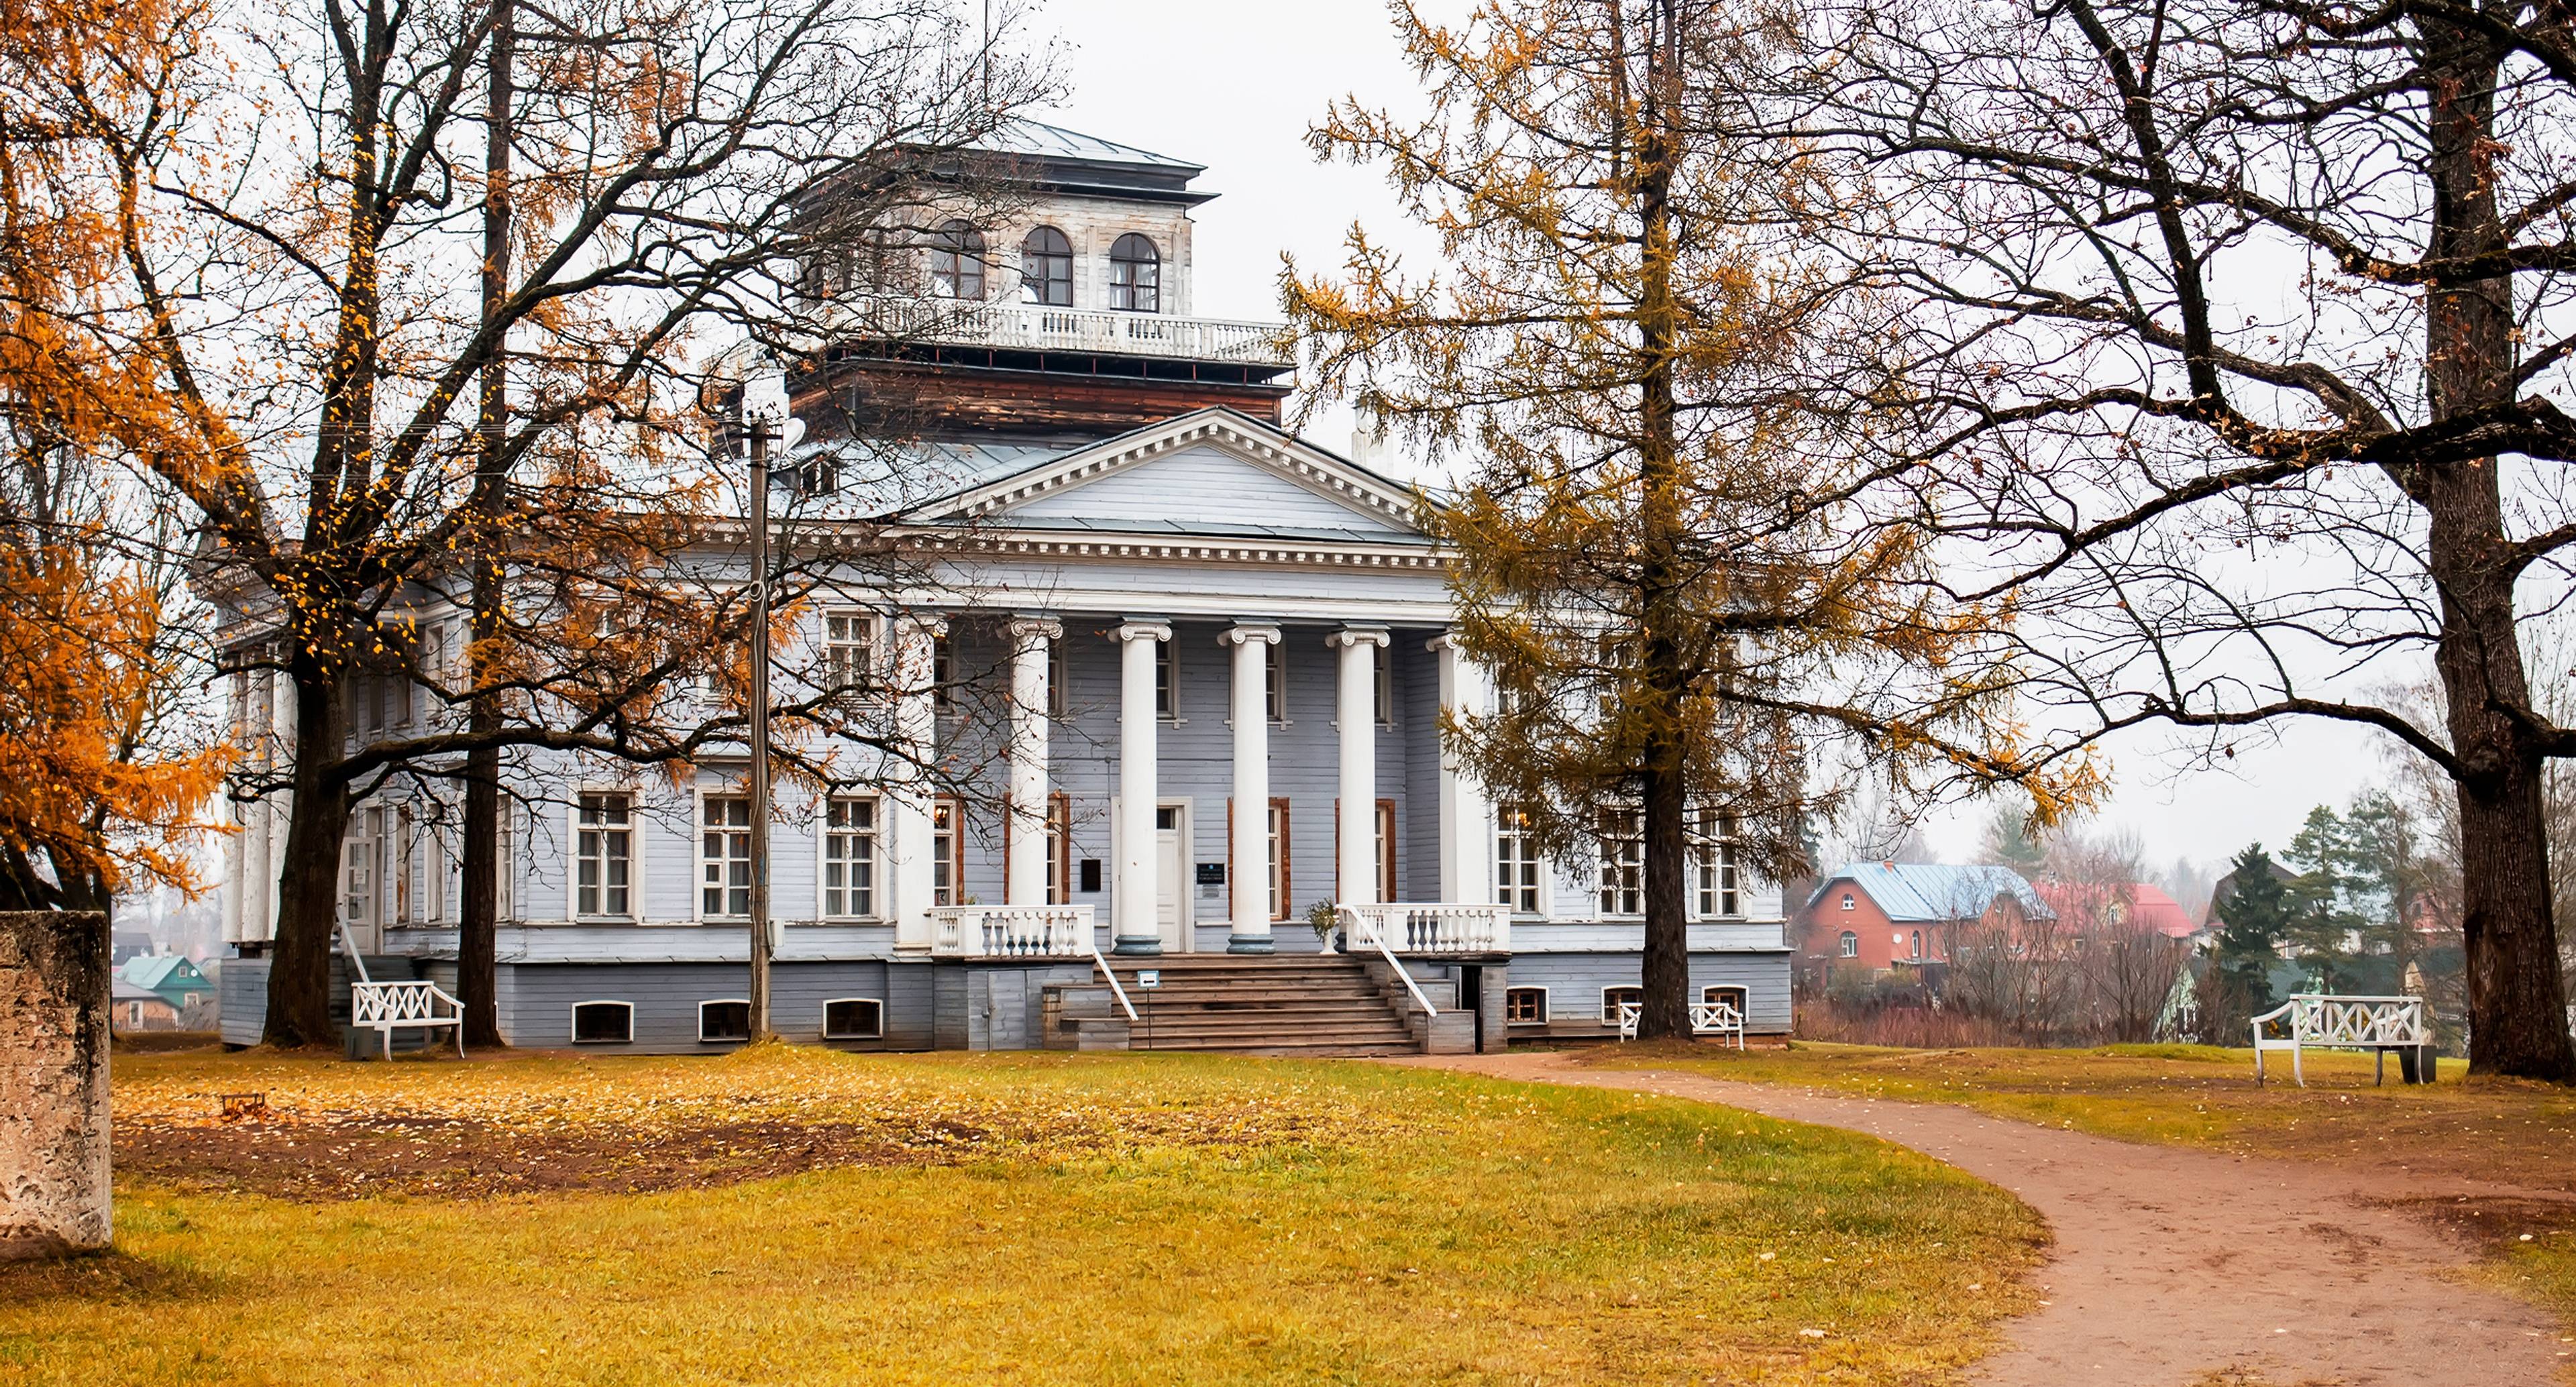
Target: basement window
854,1018
603,1023
1612,998
727,1019
1525,1006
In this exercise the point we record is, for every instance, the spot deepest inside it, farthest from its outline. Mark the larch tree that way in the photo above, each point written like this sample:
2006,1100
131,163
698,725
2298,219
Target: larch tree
104,779
1689,612
2240,333
300,211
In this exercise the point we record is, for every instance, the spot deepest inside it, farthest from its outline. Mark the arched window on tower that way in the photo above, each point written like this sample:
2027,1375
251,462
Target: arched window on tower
957,261
1135,275
1046,268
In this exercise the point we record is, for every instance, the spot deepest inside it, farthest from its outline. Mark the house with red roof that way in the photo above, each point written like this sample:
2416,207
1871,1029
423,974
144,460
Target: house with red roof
1888,914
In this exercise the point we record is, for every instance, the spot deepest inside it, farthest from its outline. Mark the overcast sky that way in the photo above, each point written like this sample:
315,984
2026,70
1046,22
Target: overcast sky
1235,86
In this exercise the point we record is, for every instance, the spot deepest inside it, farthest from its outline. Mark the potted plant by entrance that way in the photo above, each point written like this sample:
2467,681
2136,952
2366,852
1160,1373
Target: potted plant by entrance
1321,917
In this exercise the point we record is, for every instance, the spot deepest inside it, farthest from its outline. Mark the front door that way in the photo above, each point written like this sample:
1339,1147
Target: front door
1171,878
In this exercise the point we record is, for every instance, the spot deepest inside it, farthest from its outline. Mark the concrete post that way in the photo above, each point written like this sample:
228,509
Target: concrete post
53,1084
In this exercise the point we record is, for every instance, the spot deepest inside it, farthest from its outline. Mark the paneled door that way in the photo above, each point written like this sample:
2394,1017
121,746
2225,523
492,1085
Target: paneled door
1171,877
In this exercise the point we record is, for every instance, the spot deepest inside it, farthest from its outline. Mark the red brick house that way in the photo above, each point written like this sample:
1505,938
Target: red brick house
1881,915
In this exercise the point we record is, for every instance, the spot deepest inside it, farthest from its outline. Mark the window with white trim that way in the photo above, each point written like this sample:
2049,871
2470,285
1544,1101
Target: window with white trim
724,856
1622,833
1716,878
1726,995
1274,682
1850,944
1278,865
1516,860
605,850
361,867
850,858
943,675
1135,275
1525,1006
943,853
1059,850
1055,680
1384,697
727,1018
603,1023
1613,998
406,907
849,649
854,1018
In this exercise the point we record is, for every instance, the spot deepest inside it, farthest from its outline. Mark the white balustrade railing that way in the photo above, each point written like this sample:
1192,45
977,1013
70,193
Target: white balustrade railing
1011,931
1037,327
1431,928
1361,930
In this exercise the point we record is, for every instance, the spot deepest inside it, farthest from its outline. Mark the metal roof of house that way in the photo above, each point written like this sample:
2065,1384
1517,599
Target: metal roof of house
153,972
1055,142
1934,890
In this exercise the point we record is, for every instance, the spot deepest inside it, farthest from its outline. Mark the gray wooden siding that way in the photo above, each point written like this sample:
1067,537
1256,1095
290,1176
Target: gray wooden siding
536,1001
1574,982
1208,489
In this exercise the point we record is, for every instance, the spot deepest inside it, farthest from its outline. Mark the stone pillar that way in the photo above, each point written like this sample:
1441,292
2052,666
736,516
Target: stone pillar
1355,714
1133,898
1250,882
1466,820
53,1084
907,797
1024,875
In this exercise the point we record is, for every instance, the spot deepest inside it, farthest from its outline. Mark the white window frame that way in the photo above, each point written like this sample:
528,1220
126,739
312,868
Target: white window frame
1622,864
634,858
572,1021
1847,901
1274,682
826,834
1056,699
1512,830
434,863
852,655
1280,864
1717,872
1847,945
831,1002
945,814
362,849
1167,682
1610,1009
943,675
704,1038
1543,1005
1382,696
699,852
406,903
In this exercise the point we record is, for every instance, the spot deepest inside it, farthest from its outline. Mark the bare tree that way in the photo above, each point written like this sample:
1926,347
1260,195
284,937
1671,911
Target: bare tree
2232,334
302,245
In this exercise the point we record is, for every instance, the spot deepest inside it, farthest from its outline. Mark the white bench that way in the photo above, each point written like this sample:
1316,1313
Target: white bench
1707,1018
386,1007
2321,1021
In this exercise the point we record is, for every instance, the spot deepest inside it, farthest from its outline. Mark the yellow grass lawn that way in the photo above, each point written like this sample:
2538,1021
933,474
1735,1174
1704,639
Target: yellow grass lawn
1031,1219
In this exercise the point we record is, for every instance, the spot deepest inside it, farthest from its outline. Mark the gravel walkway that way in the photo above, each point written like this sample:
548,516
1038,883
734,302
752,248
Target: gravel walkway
2175,1267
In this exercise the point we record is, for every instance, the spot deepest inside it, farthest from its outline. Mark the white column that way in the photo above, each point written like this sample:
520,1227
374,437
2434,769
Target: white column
1356,716
1024,878
238,725
1251,874
907,800
1133,898
1466,820
260,920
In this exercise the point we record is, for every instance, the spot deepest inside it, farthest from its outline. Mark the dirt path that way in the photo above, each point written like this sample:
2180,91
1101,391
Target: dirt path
2175,1267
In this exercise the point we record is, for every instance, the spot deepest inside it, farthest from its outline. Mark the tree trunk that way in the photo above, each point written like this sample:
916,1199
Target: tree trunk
1661,672
478,923
308,887
2517,1000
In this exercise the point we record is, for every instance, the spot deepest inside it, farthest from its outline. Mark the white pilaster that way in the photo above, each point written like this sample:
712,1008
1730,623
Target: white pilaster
237,723
1024,878
1133,898
1466,818
907,797
1355,713
1250,881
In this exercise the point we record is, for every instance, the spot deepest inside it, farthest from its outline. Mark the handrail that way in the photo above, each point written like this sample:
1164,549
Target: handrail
1100,961
349,946
1354,922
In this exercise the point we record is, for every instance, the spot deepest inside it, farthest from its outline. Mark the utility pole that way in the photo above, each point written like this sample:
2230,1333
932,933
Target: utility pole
756,430
478,923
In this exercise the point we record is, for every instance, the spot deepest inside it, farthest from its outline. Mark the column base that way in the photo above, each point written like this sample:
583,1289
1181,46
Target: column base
1250,944
1134,948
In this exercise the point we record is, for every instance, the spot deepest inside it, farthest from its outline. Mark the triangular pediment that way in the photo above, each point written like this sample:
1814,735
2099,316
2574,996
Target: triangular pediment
1214,472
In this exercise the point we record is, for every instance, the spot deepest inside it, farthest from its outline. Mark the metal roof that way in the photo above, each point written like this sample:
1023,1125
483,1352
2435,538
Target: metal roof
1929,891
1041,140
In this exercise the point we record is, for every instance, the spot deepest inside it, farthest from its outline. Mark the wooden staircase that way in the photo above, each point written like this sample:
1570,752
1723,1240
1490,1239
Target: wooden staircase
1275,1004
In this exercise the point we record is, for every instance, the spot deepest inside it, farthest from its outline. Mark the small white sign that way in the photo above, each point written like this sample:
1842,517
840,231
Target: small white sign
1149,977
